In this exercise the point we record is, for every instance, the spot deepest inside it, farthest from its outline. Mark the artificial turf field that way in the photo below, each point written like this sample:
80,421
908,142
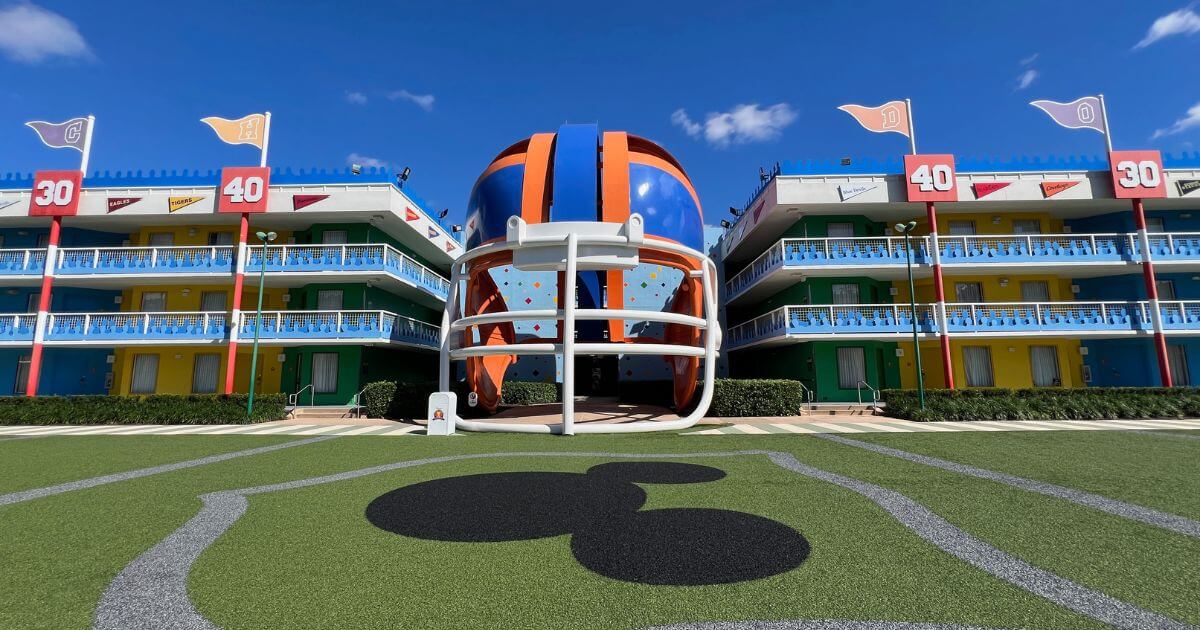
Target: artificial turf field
379,550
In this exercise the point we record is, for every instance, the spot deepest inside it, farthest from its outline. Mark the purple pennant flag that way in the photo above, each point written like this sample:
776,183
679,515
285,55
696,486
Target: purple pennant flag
69,134
1081,113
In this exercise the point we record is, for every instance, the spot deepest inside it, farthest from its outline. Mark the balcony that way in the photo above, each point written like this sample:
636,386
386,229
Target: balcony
1076,255
893,322
286,264
210,328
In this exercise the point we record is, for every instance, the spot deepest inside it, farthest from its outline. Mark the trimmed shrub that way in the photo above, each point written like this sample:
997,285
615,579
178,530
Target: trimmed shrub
376,398
528,393
732,398
398,399
154,409
1100,403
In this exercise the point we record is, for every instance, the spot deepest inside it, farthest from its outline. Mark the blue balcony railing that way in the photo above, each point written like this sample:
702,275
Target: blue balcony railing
340,325
801,253
1072,319
151,260
136,327
21,262
380,257
17,327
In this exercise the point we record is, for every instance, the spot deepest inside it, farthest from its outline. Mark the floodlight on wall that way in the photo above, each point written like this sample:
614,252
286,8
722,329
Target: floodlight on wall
403,176
734,211
456,228
443,213
845,161
725,224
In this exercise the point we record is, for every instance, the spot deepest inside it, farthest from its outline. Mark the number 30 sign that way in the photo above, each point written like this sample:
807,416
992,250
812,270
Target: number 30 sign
244,189
930,178
55,194
1137,175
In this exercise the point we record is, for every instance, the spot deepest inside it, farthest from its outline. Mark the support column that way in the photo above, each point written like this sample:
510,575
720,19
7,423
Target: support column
43,312
235,313
935,254
1160,340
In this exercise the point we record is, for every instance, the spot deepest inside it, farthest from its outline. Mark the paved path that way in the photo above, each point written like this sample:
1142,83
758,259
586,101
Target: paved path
882,425
904,426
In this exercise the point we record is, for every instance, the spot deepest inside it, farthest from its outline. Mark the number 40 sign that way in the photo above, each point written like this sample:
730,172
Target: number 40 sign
930,178
244,189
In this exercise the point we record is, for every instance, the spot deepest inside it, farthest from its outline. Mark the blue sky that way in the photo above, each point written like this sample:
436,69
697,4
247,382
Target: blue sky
442,87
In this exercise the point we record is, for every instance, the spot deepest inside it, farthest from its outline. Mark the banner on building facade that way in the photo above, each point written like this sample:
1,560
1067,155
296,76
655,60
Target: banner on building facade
1185,186
116,203
178,203
1049,189
304,201
410,214
983,189
851,191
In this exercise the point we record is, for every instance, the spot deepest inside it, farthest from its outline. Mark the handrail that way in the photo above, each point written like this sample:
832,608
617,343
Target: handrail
356,404
874,394
806,392
312,396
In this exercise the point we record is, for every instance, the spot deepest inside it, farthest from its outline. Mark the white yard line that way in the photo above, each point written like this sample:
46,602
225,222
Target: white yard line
836,428
793,428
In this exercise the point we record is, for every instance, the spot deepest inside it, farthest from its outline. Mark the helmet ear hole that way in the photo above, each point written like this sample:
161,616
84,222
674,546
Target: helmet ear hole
656,472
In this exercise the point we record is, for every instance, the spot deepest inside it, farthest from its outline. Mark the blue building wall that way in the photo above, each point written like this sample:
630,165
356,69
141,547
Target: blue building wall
19,238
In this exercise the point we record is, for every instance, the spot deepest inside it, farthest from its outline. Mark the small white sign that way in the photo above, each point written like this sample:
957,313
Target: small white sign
848,191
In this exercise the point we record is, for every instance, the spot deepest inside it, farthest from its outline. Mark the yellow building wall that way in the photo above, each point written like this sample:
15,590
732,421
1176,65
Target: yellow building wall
996,288
989,223
187,297
190,235
177,363
1011,363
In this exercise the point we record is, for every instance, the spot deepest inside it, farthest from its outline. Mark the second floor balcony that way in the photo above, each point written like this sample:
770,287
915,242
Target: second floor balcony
202,328
894,322
101,266
885,257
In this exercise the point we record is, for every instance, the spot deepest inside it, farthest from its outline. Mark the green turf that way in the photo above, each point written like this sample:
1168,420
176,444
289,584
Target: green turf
308,558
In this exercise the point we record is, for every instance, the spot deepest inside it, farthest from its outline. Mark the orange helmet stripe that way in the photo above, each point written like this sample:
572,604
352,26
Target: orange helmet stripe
535,203
614,200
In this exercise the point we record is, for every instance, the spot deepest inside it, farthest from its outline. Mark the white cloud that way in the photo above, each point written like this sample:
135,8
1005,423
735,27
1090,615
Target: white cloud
424,101
31,34
1026,78
356,98
1185,21
1190,121
680,119
740,125
1030,59
365,160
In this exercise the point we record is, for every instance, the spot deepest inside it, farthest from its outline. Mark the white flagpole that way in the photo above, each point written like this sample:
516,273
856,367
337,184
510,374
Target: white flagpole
87,145
912,134
1104,117
266,138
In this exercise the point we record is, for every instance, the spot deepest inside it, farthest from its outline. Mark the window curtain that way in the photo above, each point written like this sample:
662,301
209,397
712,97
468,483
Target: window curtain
852,367
335,237
213,301
329,300
145,374
840,230
154,302
1177,359
968,292
161,239
22,374
1166,289
1027,226
1035,291
1043,361
845,294
977,360
325,372
962,228
204,373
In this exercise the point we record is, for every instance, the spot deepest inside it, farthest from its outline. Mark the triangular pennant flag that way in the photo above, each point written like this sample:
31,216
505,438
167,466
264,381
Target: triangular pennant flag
450,246
176,203
1185,186
5,204
434,233
116,203
471,224
304,201
849,192
983,189
409,215
1049,189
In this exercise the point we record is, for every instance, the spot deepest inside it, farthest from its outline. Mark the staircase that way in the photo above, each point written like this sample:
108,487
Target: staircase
323,413
820,410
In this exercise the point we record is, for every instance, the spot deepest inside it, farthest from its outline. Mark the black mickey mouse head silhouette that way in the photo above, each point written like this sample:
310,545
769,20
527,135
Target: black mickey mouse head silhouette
600,509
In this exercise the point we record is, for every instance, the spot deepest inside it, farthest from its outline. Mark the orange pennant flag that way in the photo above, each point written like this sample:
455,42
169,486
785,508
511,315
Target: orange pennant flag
246,130
891,116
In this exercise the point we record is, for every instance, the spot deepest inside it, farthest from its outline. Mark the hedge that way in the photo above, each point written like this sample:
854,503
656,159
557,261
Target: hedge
155,409
1100,403
398,399
732,398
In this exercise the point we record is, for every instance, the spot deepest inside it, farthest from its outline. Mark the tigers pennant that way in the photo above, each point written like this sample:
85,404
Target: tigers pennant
178,203
116,203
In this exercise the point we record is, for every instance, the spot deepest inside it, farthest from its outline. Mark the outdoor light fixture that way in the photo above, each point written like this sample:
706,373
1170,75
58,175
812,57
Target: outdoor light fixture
443,213
906,229
725,224
762,174
845,161
456,228
265,237
356,169
734,211
403,176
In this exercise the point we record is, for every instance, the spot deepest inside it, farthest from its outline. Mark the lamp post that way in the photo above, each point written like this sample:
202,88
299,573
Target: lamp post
265,237
906,229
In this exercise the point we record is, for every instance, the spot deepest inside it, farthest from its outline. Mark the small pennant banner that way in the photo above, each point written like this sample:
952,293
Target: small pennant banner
471,224
304,201
1185,186
450,246
434,233
5,204
758,210
176,203
1053,188
410,215
849,192
983,189
116,203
